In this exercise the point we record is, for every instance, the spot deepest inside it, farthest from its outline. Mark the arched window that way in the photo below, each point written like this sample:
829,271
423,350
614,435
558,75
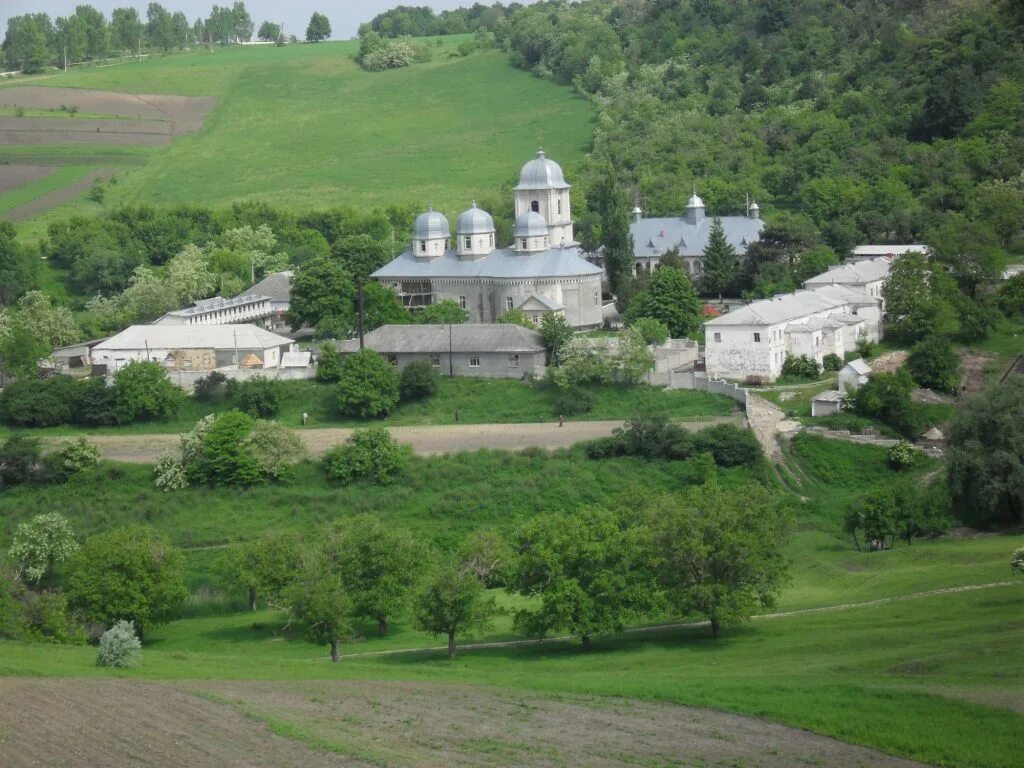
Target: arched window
423,246
559,204
523,244
535,206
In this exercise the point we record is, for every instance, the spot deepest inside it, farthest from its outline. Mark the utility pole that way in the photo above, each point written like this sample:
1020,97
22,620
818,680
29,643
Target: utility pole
359,310
451,366
140,47
65,58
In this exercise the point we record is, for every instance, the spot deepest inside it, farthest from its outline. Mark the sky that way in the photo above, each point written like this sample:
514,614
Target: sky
345,16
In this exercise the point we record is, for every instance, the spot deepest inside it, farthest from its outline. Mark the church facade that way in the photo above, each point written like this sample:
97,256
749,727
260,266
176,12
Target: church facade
543,271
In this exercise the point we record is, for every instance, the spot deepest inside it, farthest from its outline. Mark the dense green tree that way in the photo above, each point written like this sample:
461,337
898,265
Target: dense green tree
369,455
319,28
1010,296
322,288
25,45
159,27
125,29
671,299
721,265
130,574
555,332
917,299
986,457
486,554
20,455
886,397
321,602
651,331
259,396
379,565
265,567
223,458
451,602
269,31
610,204
382,306
368,385
933,364
419,380
243,24
720,552
588,573
143,391
444,312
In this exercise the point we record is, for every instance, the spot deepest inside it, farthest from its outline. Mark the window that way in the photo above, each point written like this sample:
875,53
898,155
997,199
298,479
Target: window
474,361
435,361
535,206
393,359
423,246
757,337
509,303
597,298
513,361
559,204
718,337
522,244
469,242
462,302
490,239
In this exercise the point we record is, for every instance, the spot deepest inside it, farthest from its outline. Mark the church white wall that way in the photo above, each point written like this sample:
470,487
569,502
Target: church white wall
730,352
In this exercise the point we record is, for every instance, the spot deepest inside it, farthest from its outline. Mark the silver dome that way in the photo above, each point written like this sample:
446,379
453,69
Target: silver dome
430,226
531,224
695,202
474,222
542,173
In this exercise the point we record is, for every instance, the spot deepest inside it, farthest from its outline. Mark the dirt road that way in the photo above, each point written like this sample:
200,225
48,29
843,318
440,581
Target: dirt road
423,440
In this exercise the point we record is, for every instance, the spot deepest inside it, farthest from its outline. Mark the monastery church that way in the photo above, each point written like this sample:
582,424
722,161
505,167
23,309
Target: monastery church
544,271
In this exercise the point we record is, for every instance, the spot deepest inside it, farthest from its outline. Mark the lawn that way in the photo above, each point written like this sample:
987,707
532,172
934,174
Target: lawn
304,127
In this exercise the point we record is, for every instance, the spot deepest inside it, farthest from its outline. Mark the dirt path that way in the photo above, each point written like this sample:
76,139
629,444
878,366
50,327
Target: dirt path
208,724
423,440
55,198
764,418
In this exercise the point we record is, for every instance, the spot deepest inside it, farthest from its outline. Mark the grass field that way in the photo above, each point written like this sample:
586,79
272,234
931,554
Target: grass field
303,127
57,179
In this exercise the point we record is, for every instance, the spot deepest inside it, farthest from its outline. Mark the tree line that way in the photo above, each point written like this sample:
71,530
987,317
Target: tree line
33,41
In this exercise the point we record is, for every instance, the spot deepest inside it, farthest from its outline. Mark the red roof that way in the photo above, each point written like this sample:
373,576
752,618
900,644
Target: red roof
708,311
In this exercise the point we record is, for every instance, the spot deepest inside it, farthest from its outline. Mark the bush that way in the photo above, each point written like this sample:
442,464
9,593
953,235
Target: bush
368,385
802,367
211,388
31,403
419,380
1017,561
95,403
169,473
369,455
328,364
119,647
730,446
866,348
831,362
573,402
275,448
933,364
258,397
143,391
72,457
223,458
886,397
19,457
901,456
651,331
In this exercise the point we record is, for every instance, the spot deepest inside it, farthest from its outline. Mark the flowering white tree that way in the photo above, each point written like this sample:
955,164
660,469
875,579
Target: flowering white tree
40,545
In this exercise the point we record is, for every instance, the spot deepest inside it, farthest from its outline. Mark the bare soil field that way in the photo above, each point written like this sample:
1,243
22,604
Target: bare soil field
50,200
44,131
201,724
17,175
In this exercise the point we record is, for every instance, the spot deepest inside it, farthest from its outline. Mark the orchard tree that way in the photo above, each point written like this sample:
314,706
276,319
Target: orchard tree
986,457
127,574
452,601
487,555
671,299
721,265
719,553
319,600
587,572
319,28
40,545
264,567
269,32
444,312
378,564
368,385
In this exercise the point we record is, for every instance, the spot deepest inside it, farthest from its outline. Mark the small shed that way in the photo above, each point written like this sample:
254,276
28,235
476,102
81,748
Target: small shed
853,374
827,403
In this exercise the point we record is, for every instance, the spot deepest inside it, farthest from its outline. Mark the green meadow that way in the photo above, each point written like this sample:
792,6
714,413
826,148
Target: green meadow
304,127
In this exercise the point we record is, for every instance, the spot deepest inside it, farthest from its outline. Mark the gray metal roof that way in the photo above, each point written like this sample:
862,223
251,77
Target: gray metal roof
854,272
202,306
499,263
793,306
277,286
859,366
652,237
437,339
474,222
545,301
430,225
192,337
829,396
531,224
541,173
889,250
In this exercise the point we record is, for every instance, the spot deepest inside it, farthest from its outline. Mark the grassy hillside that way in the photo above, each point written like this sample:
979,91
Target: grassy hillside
303,127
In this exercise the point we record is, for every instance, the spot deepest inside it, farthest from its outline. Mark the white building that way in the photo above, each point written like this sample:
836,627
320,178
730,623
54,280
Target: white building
866,275
689,234
853,375
542,272
192,347
265,303
893,251
753,341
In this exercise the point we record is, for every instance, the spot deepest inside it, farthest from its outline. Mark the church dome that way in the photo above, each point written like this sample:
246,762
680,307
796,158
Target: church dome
474,222
542,173
430,225
695,202
531,224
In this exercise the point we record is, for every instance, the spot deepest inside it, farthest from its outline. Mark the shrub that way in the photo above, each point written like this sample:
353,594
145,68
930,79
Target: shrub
369,455
19,457
223,458
802,367
419,380
169,473
143,391
72,457
886,396
328,364
901,456
1017,561
211,388
275,448
368,385
258,397
866,348
933,364
831,362
652,331
28,402
119,647
95,403
573,402
730,446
